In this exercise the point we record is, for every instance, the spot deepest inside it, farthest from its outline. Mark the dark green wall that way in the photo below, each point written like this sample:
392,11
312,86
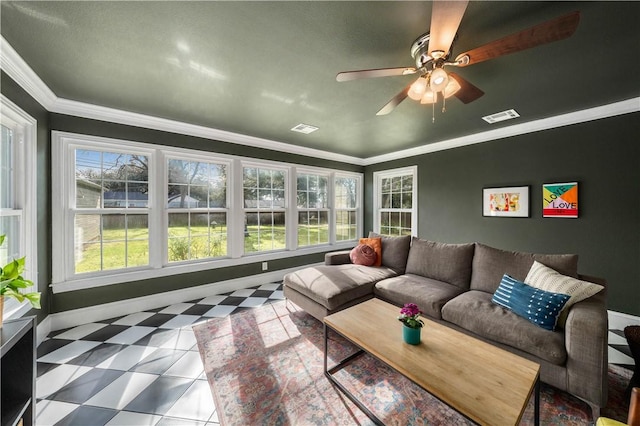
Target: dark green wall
43,175
603,156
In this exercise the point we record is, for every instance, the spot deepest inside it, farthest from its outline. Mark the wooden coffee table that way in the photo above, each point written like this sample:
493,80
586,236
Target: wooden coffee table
484,383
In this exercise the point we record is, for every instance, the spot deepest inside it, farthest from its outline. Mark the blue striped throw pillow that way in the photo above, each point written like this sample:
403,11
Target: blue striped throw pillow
540,307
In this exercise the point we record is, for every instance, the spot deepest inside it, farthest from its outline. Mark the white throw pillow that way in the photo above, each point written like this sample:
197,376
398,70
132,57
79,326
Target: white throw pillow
545,278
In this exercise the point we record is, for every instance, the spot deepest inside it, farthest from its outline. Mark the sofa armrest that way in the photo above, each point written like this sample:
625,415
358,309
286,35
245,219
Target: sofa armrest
337,257
586,339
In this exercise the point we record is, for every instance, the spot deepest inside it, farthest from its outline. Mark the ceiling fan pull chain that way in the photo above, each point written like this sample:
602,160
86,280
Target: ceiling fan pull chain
433,109
444,103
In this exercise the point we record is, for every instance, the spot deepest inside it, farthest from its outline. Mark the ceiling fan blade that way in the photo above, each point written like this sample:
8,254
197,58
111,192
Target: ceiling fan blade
381,72
547,32
468,92
445,20
395,101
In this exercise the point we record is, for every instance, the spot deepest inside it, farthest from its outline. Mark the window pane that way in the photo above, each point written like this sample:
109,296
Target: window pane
10,228
313,228
407,202
346,226
178,237
346,193
264,231
111,180
264,178
105,242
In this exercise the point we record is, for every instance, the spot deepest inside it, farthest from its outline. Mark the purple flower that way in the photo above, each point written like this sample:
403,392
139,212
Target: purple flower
409,316
410,310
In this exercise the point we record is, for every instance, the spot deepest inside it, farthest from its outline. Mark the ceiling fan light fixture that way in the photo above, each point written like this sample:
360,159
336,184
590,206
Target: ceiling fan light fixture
429,97
418,89
451,88
438,80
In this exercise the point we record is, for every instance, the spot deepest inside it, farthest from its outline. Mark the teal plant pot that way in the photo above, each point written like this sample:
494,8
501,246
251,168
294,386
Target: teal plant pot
411,335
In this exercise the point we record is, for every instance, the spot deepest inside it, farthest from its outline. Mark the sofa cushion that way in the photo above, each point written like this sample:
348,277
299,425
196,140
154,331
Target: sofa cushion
394,251
538,306
474,311
450,263
430,295
363,254
376,244
334,285
490,264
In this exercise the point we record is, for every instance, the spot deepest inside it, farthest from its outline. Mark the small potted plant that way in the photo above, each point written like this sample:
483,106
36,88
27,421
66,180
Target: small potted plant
12,283
412,325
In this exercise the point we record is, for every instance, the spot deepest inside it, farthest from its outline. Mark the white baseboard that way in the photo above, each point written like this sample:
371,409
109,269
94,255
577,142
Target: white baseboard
95,313
619,320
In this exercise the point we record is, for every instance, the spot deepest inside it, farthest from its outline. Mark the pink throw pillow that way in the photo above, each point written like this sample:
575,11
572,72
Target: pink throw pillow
363,254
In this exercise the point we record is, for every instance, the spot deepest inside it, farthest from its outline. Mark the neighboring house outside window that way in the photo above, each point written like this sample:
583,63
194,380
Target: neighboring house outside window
313,209
347,190
395,201
18,207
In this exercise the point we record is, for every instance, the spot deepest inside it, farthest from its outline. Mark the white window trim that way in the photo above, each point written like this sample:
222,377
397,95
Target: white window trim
377,201
62,282
25,132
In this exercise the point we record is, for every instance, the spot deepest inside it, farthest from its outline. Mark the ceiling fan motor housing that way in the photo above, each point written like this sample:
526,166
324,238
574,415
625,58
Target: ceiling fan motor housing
420,52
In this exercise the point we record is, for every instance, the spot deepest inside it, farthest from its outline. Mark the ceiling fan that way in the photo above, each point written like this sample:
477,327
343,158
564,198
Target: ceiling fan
432,52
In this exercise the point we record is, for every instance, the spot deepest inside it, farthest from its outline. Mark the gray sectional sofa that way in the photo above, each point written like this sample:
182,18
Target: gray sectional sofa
453,284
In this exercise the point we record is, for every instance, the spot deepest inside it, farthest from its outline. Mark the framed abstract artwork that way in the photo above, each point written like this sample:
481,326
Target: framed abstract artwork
506,201
560,200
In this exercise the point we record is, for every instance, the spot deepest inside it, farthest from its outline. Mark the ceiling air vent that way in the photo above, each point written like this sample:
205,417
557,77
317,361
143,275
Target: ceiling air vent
501,116
304,128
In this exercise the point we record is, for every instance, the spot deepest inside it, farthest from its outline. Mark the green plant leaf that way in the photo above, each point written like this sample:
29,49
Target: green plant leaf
34,299
20,282
9,292
11,270
2,237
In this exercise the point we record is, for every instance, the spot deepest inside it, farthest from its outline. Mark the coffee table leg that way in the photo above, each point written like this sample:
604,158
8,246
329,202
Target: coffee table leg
326,344
536,404
329,374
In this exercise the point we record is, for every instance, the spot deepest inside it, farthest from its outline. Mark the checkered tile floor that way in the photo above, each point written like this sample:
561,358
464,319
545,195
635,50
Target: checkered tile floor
145,369
140,369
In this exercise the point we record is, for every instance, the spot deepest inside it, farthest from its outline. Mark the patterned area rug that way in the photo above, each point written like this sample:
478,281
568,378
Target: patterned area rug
265,366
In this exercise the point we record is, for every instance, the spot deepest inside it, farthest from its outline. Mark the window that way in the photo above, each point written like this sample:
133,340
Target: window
111,215
313,210
346,208
197,210
396,202
18,194
264,209
125,211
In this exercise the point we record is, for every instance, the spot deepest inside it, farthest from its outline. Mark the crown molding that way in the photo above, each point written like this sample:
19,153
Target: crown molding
605,111
22,73
80,109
